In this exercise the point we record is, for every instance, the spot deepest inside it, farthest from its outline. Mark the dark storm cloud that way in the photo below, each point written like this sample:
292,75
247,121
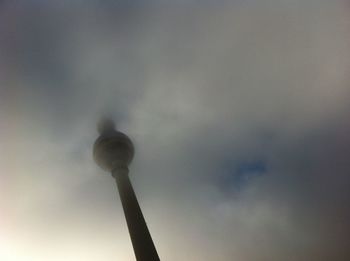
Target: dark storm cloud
239,113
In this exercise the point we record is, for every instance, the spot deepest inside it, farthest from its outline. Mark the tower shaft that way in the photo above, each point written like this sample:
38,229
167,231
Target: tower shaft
140,237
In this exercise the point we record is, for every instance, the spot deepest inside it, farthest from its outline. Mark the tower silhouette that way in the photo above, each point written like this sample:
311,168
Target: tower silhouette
113,151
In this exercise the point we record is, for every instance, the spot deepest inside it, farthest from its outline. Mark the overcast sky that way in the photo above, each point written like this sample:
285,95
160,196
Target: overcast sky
239,111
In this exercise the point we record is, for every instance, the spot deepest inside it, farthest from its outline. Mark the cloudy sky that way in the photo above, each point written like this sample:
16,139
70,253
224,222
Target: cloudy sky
239,111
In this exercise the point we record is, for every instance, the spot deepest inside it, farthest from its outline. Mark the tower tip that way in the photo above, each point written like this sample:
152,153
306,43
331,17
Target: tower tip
105,124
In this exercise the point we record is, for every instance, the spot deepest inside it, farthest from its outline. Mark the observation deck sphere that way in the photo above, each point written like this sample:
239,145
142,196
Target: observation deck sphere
113,149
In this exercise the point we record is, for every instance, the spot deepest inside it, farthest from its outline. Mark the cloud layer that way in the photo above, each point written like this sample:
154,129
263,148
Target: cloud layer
238,111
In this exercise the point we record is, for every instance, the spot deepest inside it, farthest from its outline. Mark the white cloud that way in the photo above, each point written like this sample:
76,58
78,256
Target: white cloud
194,88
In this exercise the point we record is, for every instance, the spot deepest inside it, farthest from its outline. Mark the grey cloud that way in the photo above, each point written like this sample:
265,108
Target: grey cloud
196,88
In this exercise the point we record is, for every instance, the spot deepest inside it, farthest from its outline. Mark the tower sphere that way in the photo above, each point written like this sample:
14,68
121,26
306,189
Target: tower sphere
112,149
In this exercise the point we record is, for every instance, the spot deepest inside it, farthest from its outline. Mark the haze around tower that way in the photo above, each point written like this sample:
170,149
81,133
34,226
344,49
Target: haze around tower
239,112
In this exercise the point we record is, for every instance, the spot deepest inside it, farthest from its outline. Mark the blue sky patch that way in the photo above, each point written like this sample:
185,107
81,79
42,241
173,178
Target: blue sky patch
239,175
